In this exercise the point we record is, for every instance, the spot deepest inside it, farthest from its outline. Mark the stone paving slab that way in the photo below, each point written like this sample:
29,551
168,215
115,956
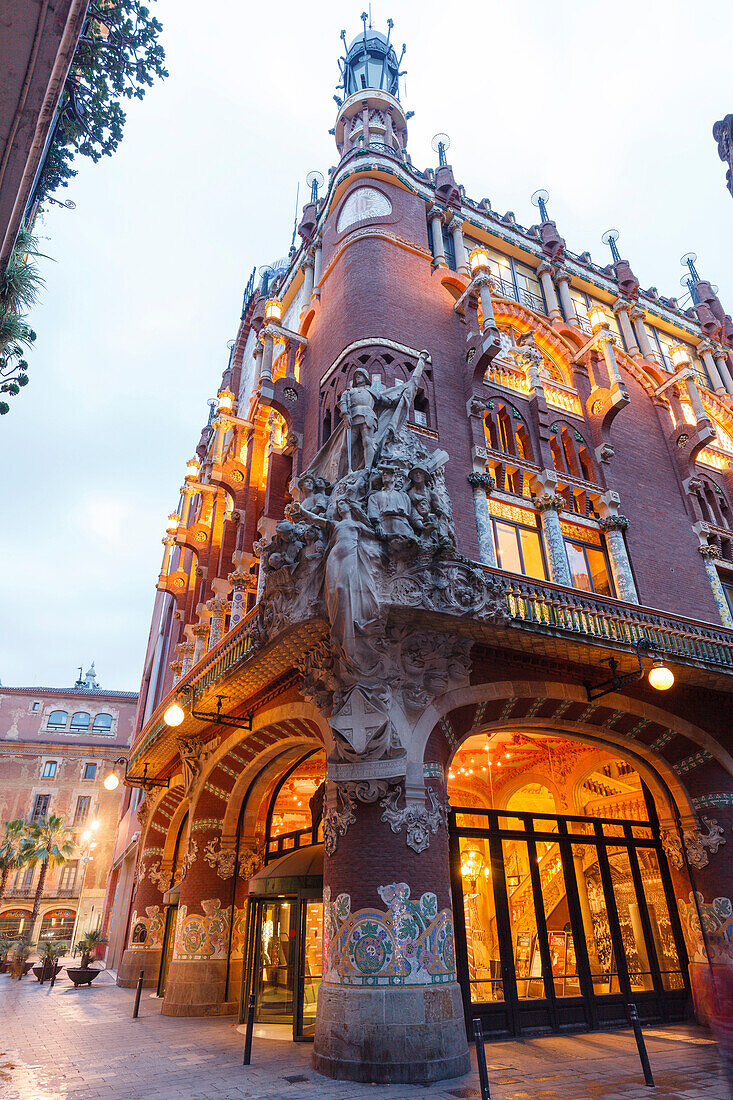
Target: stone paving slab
67,1044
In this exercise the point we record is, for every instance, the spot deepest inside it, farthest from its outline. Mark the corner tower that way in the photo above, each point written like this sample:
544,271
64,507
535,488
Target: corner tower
370,112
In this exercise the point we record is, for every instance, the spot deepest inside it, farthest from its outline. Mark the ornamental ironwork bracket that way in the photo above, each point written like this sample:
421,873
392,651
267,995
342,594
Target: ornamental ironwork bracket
144,781
616,681
244,723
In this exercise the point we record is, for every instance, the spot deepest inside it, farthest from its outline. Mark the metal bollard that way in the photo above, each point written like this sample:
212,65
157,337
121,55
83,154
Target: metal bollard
53,976
248,1033
643,1056
138,991
483,1073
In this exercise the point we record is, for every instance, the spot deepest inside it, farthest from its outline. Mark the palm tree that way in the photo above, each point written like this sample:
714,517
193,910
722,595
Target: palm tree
49,843
11,851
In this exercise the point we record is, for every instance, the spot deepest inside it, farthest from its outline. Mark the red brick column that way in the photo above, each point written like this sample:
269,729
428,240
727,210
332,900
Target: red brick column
144,943
389,1008
196,980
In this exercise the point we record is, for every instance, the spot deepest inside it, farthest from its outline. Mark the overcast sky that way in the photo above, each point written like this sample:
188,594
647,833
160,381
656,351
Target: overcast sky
608,107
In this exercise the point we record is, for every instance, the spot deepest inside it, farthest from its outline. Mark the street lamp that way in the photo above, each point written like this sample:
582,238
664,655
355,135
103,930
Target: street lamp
660,677
273,310
192,469
680,356
86,857
226,401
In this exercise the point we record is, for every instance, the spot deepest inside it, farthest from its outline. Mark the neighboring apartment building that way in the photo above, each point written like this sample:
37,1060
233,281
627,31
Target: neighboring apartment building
435,713
57,745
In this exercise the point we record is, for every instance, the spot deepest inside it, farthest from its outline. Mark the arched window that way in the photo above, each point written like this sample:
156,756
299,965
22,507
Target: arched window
80,721
506,431
57,720
57,925
570,453
102,723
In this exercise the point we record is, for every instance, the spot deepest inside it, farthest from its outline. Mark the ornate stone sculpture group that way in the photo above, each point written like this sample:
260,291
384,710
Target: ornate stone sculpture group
369,541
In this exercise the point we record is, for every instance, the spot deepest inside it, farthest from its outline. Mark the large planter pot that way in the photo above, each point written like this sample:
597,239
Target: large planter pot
38,970
83,975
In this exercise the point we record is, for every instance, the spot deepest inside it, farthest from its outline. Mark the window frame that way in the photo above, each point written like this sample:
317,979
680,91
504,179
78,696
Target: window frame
519,525
85,799
99,729
57,728
45,774
602,549
77,728
35,816
93,765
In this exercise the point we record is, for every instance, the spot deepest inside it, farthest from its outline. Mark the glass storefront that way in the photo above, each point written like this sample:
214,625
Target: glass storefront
562,920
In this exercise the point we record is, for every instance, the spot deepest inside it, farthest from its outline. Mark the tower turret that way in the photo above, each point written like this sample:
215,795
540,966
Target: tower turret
370,112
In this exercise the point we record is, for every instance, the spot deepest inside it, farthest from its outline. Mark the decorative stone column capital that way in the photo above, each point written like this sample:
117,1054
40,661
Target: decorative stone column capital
436,212
479,480
709,551
613,523
637,314
237,579
454,223
546,268
705,347
562,275
200,629
549,502
622,305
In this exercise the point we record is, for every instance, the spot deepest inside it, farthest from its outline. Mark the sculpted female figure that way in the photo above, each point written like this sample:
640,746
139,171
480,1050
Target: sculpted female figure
349,583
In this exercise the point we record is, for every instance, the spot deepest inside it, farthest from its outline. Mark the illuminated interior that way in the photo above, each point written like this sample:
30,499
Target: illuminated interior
558,892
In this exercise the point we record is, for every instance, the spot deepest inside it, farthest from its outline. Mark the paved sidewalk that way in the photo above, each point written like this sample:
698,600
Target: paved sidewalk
66,1044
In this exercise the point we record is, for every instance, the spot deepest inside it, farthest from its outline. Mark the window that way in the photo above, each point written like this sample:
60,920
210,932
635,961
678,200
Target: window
102,724
34,707
517,539
40,807
583,304
49,769
90,771
513,280
728,592
82,809
80,721
24,880
589,570
448,245
57,720
68,875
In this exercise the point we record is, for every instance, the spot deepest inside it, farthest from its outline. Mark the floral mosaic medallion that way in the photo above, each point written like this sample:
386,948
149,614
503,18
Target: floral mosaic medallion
411,943
146,932
202,936
717,918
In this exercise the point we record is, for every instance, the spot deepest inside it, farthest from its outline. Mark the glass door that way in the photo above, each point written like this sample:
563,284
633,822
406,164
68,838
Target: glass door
311,966
169,939
275,965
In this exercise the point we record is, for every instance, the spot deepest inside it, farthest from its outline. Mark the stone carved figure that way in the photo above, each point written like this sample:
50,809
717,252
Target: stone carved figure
194,755
372,538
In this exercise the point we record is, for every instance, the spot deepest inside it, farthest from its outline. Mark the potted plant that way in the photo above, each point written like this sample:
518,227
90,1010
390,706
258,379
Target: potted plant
18,957
50,951
86,946
4,948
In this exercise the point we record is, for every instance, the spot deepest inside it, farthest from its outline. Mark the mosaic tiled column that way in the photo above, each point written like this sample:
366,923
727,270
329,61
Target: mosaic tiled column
643,338
549,504
614,527
187,649
201,634
196,982
622,310
238,581
389,1006
147,923
709,555
218,608
481,484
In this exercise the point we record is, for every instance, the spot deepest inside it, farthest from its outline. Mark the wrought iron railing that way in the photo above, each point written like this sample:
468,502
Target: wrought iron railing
290,842
548,607
521,297
382,147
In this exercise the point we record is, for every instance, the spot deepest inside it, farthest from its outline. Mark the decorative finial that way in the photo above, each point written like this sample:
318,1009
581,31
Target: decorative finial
314,181
610,237
440,145
689,259
539,199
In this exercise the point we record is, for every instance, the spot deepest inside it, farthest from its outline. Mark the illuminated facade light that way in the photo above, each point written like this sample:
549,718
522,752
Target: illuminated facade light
680,356
478,258
273,310
226,401
111,782
174,715
192,469
660,677
173,523
598,317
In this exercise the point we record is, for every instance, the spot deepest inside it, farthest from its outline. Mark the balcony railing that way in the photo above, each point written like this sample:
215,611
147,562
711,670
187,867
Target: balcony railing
522,297
551,608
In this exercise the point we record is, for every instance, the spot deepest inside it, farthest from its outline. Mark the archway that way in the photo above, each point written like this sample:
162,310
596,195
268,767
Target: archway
564,904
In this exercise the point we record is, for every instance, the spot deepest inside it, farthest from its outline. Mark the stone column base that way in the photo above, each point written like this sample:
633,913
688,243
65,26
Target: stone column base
389,1034
133,961
196,988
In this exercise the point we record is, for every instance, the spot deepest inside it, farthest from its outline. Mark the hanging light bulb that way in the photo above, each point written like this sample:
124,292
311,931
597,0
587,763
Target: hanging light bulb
173,715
